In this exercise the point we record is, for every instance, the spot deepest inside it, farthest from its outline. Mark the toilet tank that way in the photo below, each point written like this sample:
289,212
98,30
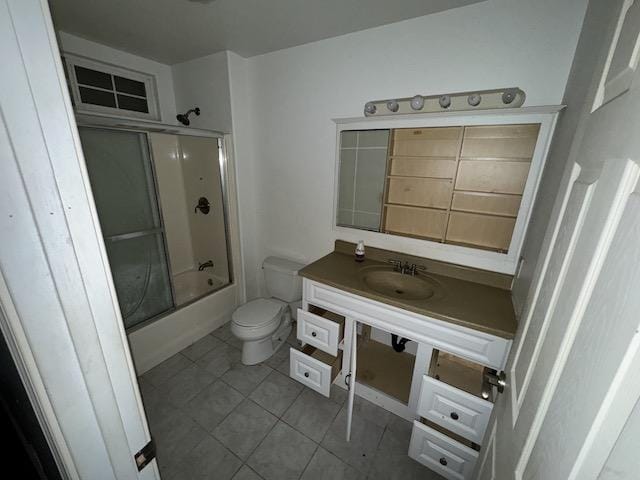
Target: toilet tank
281,278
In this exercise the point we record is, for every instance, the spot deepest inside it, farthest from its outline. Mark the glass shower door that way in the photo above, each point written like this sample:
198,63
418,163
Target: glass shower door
120,172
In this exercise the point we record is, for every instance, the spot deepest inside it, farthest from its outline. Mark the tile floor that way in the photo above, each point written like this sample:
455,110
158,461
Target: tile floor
214,418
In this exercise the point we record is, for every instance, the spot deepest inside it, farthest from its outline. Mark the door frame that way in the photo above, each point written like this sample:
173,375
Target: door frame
59,310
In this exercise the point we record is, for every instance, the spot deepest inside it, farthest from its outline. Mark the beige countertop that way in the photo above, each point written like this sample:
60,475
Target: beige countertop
471,304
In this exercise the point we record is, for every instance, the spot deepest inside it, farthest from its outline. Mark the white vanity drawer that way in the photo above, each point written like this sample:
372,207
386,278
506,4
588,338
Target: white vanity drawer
440,453
456,410
321,332
313,368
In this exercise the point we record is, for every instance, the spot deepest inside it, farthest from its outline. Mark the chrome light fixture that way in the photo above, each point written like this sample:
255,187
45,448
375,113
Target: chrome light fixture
444,101
512,97
417,102
509,96
370,108
474,99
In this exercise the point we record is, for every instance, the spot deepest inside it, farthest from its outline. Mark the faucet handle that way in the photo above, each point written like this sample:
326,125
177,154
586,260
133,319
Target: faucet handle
397,264
415,268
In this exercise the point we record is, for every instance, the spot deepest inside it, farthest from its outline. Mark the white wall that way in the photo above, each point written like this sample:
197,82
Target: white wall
204,82
286,173
240,99
164,80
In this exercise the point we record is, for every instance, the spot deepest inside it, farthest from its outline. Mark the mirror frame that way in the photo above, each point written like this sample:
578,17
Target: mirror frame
506,263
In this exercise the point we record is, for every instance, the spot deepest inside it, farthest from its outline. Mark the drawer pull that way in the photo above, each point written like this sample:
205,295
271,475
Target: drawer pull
314,334
306,374
443,461
454,415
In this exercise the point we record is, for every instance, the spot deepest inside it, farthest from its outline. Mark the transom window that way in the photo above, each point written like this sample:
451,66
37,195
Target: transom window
102,88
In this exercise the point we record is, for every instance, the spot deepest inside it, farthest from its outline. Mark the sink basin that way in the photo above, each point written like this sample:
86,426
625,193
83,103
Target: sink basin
392,284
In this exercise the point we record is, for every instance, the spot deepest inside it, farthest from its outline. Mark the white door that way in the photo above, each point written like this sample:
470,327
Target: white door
574,370
58,308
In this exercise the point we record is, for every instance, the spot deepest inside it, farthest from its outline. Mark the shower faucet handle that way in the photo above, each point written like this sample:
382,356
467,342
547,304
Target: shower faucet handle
203,205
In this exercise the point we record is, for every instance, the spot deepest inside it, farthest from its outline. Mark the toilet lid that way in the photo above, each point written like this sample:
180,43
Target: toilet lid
257,312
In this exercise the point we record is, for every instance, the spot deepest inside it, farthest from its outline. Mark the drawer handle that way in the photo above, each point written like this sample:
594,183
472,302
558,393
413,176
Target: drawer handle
314,334
454,415
443,461
306,374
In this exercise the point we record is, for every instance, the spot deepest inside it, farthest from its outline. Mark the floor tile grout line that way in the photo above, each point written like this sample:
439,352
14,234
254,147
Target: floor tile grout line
173,374
249,467
331,423
309,461
261,441
279,418
223,446
225,417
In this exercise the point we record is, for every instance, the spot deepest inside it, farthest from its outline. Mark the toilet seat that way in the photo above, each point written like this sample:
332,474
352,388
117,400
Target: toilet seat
258,313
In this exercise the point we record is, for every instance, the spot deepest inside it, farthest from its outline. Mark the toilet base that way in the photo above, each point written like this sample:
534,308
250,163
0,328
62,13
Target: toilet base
257,351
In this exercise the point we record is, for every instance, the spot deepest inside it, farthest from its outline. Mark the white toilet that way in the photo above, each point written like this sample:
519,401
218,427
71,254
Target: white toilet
264,324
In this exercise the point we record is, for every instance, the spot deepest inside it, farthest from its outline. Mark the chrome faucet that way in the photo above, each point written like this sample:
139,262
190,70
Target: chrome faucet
413,269
406,268
207,264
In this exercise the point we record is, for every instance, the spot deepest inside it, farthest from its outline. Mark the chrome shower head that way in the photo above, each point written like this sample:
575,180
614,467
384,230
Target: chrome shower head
183,118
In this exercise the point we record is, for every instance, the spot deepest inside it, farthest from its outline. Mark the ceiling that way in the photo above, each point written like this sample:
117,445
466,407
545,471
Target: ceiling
172,31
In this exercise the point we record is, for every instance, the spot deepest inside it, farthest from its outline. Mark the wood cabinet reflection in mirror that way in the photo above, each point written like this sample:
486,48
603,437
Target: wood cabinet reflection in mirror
460,184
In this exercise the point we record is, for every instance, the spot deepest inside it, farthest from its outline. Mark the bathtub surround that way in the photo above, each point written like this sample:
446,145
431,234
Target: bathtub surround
187,168
158,341
171,190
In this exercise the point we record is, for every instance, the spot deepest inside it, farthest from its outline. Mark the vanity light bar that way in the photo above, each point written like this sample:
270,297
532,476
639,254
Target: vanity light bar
460,101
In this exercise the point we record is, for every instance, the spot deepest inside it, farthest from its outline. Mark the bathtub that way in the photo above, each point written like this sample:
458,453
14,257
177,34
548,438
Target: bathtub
194,284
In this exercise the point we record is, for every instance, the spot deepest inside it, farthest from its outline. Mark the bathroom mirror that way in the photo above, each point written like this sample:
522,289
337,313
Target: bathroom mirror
461,185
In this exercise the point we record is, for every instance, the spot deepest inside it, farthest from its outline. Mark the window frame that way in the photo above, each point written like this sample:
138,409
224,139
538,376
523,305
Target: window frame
71,61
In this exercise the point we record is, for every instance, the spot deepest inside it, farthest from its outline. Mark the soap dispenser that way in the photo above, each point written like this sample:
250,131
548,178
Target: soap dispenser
360,251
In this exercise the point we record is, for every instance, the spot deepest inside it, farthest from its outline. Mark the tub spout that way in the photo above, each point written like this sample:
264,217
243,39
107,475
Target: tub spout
207,264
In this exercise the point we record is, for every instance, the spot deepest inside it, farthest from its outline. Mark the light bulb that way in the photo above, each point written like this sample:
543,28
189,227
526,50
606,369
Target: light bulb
393,105
417,102
474,99
445,101
508,97
370,108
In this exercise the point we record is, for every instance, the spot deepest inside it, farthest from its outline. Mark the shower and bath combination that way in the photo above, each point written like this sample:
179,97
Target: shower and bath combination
162,254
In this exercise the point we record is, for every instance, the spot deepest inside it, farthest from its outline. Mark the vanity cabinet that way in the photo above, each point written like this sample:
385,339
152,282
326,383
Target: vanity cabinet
443,389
